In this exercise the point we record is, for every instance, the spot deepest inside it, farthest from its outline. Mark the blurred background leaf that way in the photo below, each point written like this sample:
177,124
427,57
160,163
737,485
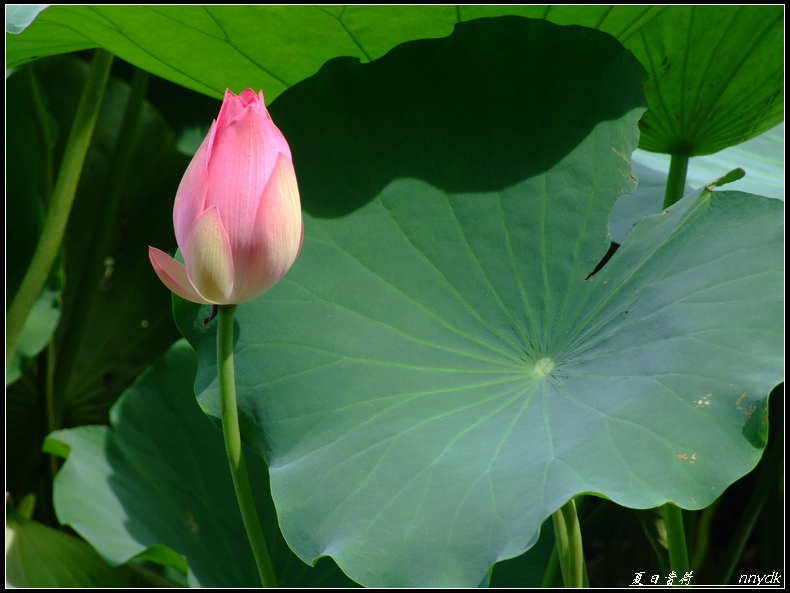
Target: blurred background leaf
39,557
108,329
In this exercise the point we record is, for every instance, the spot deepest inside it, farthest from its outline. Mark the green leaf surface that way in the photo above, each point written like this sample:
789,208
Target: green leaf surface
716,76
436,374
647,199
211,48
762,158
38,556
528,569
156,486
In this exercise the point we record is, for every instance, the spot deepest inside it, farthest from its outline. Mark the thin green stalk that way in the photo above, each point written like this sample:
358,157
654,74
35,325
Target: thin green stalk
676,181
46,179
43,132
553,575
53,414
702,538
61,201
568,537
676,539
647,519
230,430
25,505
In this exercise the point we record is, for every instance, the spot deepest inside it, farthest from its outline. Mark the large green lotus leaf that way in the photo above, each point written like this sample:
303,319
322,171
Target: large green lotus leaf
437,374
211,48
156,485
716,76
716,72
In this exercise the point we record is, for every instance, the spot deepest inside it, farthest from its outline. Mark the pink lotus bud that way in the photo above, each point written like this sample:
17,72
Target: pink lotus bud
237,215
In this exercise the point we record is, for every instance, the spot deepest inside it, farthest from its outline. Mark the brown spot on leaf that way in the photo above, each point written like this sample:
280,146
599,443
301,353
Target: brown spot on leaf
193,526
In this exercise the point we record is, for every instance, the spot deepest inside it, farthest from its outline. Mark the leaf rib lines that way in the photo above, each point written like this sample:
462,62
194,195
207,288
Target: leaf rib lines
490,168
636,348
544,338
179,23
757,39
467,429
517,362
703,77
585,327
387,362
258,65
485,277
403,399
244,54
664,125
684,90
155,58
353,37
507,433
576,250
391,441
608,417
689,404
516,274
726,125
494,330
95,17
638,23
604,15
599,337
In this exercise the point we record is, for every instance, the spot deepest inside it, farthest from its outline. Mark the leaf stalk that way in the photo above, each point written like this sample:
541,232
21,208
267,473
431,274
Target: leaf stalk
676,180
232,435
568,537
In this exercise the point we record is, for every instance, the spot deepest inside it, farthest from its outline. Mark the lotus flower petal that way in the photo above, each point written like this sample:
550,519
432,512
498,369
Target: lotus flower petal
174,275
237,215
